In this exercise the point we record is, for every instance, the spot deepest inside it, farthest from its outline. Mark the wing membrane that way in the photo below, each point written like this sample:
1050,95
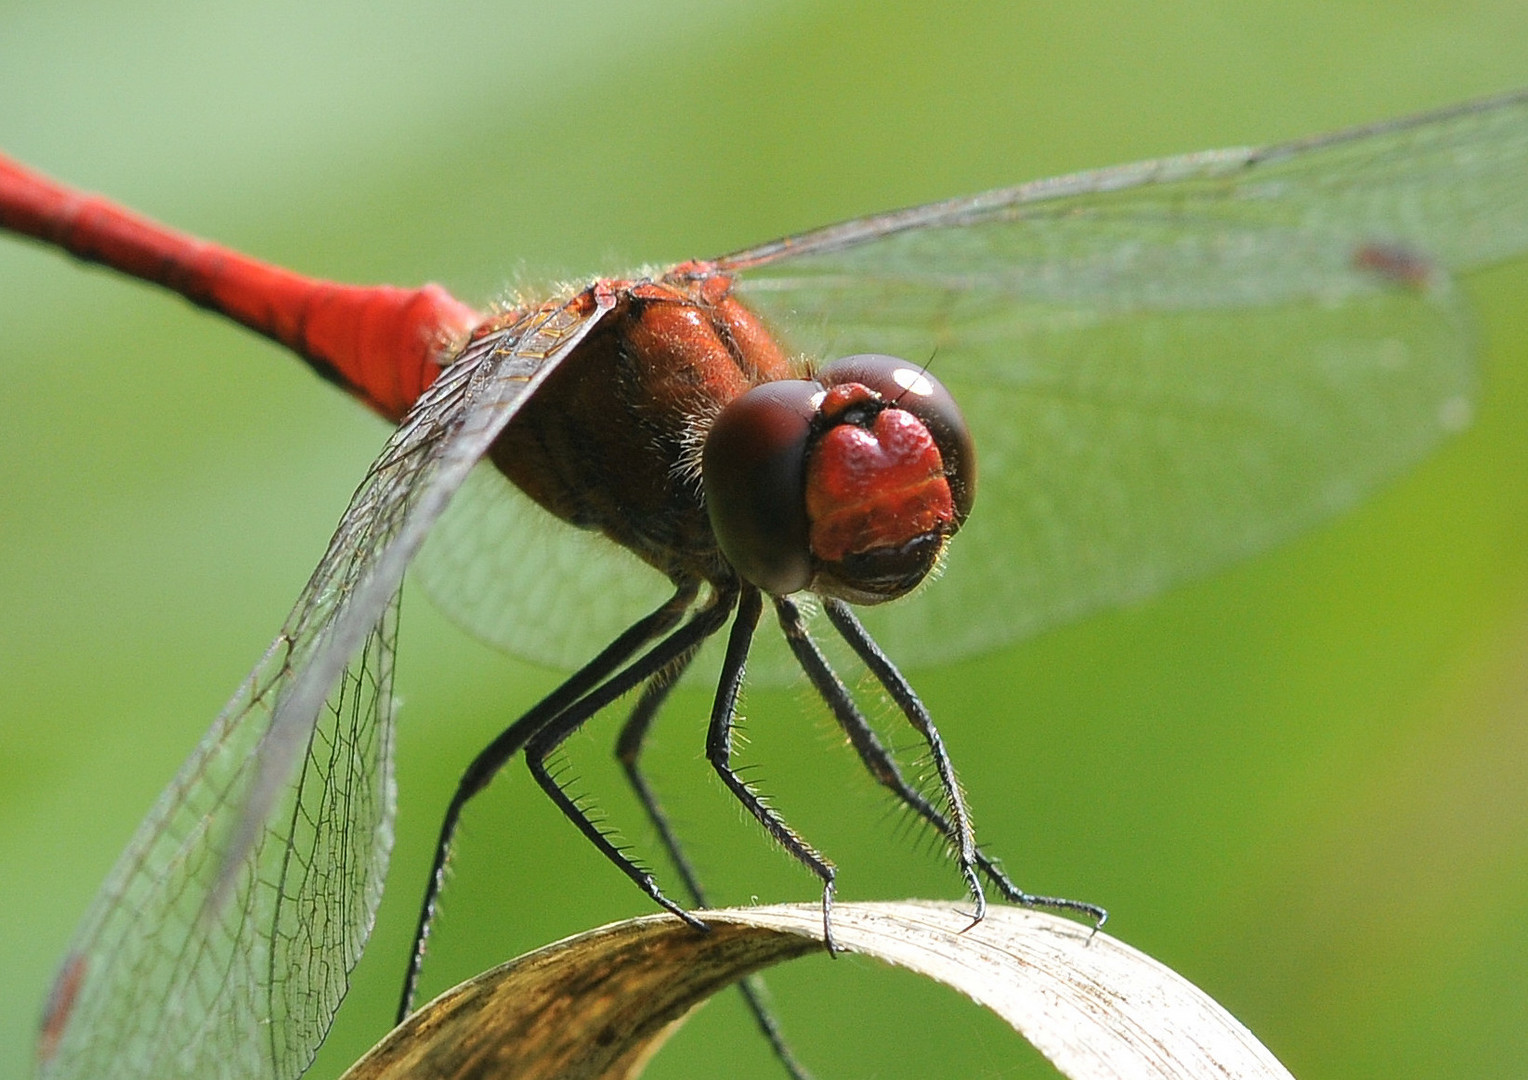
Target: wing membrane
223,940
1171,365
1168,366
1449,184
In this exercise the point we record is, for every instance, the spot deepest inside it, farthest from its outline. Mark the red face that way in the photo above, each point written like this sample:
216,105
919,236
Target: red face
848,484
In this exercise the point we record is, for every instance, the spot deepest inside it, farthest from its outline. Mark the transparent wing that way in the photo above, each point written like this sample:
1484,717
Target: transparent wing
1172,365
515,576
1167,365
518,577
1237,227
222,943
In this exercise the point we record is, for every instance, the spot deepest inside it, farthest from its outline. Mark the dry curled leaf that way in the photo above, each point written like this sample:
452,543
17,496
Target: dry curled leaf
598,1005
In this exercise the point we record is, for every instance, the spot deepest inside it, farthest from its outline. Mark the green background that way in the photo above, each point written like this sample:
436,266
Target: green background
1301,782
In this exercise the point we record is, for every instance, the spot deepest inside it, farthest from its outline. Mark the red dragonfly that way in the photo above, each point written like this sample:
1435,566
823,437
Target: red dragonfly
1166,366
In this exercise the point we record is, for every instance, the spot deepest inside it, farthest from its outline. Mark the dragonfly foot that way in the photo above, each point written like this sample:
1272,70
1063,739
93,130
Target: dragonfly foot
827,921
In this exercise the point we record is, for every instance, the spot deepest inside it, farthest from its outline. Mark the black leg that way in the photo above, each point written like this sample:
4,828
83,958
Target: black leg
682,642
629,753
960,832
719,751
879,762
492,759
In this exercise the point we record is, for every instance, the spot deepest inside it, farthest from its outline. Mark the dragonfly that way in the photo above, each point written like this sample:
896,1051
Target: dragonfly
1164,367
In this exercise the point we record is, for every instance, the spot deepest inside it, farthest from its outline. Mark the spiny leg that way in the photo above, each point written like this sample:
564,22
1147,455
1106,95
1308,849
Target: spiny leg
960,832
884,769
493,757
873,754
719,751
628,753
707,621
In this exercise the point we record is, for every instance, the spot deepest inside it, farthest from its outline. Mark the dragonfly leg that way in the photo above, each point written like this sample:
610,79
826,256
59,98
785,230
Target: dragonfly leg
657,660
719,752
879,762
509,742
629,753
960,831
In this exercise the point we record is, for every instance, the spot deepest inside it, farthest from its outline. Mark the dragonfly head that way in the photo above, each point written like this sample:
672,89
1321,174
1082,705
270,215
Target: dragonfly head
848,484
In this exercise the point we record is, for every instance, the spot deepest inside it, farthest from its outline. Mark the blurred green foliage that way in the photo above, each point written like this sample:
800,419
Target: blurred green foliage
1301,782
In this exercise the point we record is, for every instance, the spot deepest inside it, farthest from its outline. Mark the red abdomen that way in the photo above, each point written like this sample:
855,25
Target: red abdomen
381,343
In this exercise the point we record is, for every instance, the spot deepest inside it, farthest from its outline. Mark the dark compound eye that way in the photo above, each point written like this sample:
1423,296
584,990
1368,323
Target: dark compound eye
848,485
753,466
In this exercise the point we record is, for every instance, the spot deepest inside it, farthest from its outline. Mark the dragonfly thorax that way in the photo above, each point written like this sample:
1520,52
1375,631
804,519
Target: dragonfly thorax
610,441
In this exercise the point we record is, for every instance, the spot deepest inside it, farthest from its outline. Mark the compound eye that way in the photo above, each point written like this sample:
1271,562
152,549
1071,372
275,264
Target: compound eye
754,469
903,385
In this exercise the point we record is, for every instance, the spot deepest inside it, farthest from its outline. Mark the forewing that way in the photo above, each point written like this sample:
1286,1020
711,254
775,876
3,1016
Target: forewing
1448,184
1170,365
222,943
